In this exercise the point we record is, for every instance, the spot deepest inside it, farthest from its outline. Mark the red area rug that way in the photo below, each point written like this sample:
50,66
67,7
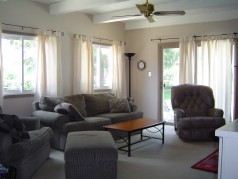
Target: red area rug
209,163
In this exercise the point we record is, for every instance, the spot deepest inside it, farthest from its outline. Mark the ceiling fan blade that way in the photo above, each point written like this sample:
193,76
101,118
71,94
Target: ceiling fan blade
152,19
163,13
135,15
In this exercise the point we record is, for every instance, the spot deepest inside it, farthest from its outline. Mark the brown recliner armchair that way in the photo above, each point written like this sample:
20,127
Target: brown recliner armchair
195,117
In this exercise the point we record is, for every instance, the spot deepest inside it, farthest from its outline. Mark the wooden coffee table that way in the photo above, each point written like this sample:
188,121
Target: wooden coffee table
135,125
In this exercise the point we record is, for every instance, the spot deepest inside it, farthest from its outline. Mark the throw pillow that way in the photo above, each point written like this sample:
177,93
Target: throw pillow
97,103
78,101
49,103
12,125
60,109
132,104
119,105
74,114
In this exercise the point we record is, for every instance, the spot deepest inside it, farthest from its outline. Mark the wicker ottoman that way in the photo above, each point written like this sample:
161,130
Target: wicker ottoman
90,155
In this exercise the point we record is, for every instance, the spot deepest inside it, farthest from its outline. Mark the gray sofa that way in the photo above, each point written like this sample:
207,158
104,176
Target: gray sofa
25,152
82,112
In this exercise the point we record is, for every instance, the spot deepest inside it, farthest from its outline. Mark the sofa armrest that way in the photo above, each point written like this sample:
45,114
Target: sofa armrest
51,119
31,123
215,112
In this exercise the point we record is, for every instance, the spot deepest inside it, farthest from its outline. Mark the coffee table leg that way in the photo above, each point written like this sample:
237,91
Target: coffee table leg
141,135
163,134
129,144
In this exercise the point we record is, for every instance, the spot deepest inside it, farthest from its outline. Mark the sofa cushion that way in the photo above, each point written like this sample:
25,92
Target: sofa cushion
74,114
97,103
49,103
78,101
12,125
119,105
122,117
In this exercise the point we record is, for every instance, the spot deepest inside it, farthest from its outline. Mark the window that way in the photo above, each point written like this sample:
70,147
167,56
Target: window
102,66
19,57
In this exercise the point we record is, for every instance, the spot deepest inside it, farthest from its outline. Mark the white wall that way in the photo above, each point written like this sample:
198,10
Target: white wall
146,89
28,13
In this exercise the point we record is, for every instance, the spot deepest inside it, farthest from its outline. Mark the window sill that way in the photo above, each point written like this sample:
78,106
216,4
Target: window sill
6,96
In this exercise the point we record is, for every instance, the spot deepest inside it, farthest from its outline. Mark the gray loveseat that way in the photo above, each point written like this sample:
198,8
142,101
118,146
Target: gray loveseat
25,149
82,112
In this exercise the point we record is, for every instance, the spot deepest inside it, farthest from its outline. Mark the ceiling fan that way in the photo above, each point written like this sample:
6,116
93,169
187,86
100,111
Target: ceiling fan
147,9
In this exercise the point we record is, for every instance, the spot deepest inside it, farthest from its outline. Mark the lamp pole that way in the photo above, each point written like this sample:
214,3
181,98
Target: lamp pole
129,55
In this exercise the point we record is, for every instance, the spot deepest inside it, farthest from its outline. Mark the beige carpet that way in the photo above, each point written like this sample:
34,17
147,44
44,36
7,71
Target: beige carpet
149,160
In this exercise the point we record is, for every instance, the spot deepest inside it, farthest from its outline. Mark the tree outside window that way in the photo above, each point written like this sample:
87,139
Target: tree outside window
19,57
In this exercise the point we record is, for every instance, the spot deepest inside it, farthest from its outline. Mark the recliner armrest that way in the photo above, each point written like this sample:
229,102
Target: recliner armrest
215,112
178,113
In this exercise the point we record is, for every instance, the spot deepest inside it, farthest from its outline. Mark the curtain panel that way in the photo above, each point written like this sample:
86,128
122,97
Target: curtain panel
83,65
119,75
187,64
217,71
236,78
48,66
212,68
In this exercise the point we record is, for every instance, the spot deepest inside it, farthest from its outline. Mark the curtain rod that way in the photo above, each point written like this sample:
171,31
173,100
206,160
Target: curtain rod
98,38
27,27
195,36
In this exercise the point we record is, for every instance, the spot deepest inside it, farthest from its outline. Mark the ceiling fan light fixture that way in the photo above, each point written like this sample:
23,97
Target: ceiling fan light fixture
152,19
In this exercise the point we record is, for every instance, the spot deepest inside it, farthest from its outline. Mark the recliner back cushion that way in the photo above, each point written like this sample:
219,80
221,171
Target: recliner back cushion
97,103
195,100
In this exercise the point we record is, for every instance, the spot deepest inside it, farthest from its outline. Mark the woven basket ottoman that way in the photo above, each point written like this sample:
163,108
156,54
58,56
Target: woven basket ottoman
90,155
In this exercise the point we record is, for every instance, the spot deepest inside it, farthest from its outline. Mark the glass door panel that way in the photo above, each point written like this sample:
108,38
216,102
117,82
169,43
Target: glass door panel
170,78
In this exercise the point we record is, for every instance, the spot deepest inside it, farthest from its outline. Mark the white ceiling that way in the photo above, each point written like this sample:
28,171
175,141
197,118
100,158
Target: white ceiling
104,10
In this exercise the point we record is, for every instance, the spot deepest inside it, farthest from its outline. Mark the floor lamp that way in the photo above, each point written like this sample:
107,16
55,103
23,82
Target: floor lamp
129,55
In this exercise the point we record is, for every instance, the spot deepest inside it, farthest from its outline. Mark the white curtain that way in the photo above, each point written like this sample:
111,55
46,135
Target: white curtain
213,68
83,65
1,70
119,77
187,61
217,70
48,66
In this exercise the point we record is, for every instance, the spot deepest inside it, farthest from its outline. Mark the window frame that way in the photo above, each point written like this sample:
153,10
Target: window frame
22,92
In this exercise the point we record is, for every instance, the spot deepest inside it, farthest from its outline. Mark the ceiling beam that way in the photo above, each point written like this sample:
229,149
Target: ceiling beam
78,5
